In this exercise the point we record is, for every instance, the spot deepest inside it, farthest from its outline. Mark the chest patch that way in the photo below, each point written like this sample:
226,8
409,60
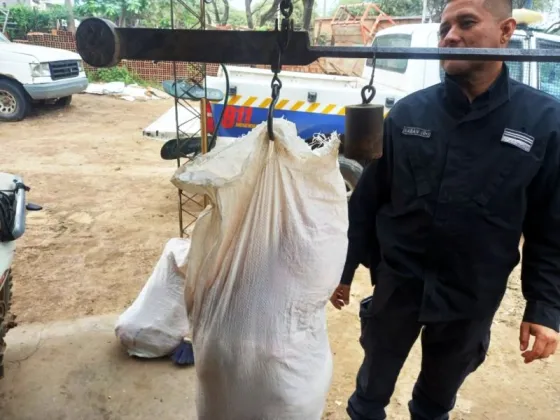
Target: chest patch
417,132
518,139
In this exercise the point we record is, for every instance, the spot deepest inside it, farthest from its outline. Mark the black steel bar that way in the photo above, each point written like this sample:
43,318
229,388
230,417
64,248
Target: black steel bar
475,54
101,44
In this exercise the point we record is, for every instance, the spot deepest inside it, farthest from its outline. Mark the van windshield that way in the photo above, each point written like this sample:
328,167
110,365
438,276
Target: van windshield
549,73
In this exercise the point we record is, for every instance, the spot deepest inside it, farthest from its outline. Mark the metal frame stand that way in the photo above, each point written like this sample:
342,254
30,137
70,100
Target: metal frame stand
190,205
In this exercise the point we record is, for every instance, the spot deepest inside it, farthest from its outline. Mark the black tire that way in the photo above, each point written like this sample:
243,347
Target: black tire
14,103
64,102
6,318
351,172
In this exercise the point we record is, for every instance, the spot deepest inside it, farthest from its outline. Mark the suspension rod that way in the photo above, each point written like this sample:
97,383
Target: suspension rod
102,44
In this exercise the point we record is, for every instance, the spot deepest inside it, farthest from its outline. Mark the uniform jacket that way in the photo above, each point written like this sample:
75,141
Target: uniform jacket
458,185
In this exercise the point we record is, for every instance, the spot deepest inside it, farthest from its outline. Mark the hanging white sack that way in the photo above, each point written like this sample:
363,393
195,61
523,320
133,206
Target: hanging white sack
265,258
156,323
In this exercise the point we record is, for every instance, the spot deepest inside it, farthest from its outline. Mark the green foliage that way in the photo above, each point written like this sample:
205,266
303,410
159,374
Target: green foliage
121,11
27,19
237,18
115,74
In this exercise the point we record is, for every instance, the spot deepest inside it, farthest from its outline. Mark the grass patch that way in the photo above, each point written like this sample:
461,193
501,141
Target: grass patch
118,74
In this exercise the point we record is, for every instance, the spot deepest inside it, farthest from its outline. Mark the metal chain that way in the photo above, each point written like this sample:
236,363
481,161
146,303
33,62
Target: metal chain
368,91
284,30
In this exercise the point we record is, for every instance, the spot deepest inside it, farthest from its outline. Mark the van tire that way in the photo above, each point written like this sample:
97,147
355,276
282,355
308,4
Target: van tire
351,172
64,102
14,103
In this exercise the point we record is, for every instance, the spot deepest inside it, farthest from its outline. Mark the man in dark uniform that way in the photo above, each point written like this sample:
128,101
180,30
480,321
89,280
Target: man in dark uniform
469,166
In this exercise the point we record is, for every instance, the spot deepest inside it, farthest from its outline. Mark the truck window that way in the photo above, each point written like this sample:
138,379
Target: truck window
397,65
515,68
549,73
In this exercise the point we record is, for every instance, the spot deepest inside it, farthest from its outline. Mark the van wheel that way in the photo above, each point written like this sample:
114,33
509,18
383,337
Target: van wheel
64,102
351,172
14,104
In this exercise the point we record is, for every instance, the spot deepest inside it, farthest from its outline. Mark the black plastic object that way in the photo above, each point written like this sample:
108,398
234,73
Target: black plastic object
102,44
192,92
363,133
33,207
173,149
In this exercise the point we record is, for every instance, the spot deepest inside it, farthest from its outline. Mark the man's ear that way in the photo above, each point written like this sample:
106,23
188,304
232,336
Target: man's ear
508,27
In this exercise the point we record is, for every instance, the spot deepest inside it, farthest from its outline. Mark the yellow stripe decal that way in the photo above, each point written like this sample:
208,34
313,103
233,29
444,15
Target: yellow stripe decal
282,104
234,100
265,103
313,107
297,106
250,101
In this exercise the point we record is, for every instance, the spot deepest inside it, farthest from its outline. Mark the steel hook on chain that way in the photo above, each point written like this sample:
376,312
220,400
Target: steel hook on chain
368,91
284,31
276,85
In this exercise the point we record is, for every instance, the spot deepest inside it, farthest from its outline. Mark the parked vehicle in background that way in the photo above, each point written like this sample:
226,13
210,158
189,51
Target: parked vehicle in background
32,74
315,102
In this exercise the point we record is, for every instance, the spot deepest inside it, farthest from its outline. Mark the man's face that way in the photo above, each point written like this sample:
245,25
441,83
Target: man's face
470,24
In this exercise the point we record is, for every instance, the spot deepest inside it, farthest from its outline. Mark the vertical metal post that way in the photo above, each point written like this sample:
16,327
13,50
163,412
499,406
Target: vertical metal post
190,205
424,10
204,101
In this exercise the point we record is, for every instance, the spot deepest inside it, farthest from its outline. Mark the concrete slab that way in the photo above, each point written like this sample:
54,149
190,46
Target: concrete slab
77,371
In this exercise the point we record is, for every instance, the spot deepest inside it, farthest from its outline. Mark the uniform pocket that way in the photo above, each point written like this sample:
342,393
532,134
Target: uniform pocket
420,168
415,165
515,172
365,315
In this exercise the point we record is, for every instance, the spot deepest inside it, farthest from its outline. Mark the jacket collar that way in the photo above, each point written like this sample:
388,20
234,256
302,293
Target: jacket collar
458,105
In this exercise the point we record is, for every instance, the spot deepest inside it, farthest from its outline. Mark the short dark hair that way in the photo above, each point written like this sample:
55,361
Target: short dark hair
502,9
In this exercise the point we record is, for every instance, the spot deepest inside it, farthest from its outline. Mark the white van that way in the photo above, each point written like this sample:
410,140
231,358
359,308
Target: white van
29,73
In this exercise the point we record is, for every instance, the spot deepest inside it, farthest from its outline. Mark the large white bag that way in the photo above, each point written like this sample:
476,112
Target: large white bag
265,258
155,324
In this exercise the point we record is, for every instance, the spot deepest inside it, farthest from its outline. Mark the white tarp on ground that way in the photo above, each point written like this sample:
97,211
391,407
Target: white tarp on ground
264,260
165,127
129,93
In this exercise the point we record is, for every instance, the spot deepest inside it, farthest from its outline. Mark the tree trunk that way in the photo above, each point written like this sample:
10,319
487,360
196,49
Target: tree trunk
270,13
122,17
249,14
70,13
307,14
216,11
225,16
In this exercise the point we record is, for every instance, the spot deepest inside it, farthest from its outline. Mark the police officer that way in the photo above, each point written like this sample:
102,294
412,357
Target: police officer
469,166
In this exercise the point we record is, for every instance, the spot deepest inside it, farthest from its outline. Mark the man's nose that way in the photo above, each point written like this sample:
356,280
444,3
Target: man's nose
451,38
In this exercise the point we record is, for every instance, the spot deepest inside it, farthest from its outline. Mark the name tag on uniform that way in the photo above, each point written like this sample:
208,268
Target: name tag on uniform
518,139
418,132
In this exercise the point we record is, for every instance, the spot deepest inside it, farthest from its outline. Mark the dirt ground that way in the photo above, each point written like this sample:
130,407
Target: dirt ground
109,208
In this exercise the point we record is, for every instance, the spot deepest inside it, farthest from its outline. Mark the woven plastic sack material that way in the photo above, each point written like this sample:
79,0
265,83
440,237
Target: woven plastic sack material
156,323
265,258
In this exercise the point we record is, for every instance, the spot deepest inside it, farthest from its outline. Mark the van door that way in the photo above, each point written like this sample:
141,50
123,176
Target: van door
548,74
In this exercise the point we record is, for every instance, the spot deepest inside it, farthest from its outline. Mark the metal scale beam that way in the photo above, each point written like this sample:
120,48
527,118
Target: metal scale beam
102,44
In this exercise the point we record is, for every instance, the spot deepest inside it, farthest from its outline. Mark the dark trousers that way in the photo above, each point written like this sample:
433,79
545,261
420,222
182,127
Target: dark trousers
450,352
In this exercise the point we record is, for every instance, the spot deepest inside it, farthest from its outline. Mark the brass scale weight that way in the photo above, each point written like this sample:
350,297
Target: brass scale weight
101,44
